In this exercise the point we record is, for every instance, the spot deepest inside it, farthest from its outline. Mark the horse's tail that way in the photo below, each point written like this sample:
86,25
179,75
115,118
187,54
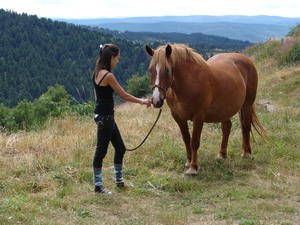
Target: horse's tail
257,125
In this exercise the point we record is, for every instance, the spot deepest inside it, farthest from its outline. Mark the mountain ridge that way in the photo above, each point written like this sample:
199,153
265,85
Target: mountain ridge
259,28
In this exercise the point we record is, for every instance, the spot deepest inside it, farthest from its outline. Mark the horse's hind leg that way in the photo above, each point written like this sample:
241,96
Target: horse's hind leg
246,119
226,127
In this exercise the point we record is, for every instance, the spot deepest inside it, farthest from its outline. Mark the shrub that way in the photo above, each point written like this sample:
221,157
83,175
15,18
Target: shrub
139,85
294,54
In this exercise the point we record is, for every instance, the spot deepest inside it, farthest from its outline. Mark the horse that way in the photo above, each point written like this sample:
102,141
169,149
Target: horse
201,91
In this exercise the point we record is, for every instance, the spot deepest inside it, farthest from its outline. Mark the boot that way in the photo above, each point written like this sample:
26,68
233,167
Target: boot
99,187
119,175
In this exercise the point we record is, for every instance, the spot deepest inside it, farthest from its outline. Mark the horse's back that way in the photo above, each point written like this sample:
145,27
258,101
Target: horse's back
229,58
235,83
244,65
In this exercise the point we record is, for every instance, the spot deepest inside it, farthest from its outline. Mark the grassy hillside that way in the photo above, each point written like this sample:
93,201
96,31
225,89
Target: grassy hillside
46,176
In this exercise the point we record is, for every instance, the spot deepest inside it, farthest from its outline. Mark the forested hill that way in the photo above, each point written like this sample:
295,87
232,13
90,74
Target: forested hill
36,53
202,43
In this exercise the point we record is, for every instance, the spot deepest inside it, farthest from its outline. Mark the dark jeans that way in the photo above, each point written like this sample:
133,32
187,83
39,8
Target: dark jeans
107,130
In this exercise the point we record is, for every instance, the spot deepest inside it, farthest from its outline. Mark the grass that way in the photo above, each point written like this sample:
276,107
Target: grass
46,176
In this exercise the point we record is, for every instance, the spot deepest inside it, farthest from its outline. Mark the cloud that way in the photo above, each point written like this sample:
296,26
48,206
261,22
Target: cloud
130,8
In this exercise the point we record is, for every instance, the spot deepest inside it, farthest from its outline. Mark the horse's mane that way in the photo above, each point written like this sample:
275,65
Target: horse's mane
180,53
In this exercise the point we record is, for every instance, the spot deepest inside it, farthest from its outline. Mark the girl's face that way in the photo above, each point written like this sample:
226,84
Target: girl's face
115,60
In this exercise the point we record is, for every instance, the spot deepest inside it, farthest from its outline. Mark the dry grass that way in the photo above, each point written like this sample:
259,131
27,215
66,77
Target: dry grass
46,176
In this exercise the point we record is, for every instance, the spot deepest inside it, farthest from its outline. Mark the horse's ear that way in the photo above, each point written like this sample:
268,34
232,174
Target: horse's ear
149,50
168,50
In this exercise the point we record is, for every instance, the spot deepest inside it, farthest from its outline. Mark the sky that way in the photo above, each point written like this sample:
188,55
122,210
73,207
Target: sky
79,9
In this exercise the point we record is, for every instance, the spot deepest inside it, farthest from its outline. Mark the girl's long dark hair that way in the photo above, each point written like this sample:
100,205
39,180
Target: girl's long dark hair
104,58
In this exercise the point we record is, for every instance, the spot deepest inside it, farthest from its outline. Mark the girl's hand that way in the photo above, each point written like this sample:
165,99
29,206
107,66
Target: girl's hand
146,102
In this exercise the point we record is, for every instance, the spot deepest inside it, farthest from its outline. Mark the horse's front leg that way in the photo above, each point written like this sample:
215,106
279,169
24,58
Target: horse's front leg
184,129
195,143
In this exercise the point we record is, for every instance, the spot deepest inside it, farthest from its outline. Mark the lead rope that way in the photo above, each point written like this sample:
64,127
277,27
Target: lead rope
132,149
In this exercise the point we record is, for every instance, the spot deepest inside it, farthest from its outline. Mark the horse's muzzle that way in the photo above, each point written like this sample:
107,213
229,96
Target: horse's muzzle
157,103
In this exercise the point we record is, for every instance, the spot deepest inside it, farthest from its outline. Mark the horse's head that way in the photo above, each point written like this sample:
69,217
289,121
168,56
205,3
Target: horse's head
161,70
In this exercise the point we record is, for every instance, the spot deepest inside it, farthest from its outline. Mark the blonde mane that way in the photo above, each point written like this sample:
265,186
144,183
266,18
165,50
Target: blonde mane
180,53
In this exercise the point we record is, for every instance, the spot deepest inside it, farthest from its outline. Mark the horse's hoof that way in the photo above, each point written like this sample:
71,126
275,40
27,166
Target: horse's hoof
247,156
191,172
186,168
221,157
189,176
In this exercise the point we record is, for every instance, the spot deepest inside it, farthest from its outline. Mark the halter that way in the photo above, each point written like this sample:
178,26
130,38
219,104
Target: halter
165,90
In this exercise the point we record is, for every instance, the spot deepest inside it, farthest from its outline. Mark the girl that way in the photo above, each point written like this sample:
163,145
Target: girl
105,84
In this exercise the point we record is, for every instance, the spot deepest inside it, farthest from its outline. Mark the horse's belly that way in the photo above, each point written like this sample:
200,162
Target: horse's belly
224,110
228,99
214,117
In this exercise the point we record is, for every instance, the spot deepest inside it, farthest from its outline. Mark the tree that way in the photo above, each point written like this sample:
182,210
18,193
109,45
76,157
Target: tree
139,86
55,101
22,114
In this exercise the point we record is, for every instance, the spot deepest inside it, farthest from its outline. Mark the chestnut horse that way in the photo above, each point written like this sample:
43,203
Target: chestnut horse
205,92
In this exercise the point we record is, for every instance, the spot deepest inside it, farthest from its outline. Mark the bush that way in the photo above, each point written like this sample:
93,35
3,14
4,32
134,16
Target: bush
23,116
139,86
295,32
294,54
32,115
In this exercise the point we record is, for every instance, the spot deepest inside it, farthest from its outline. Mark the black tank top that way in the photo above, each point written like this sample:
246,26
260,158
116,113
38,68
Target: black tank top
104,98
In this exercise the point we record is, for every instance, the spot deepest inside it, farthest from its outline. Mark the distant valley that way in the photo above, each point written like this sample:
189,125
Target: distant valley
246,28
